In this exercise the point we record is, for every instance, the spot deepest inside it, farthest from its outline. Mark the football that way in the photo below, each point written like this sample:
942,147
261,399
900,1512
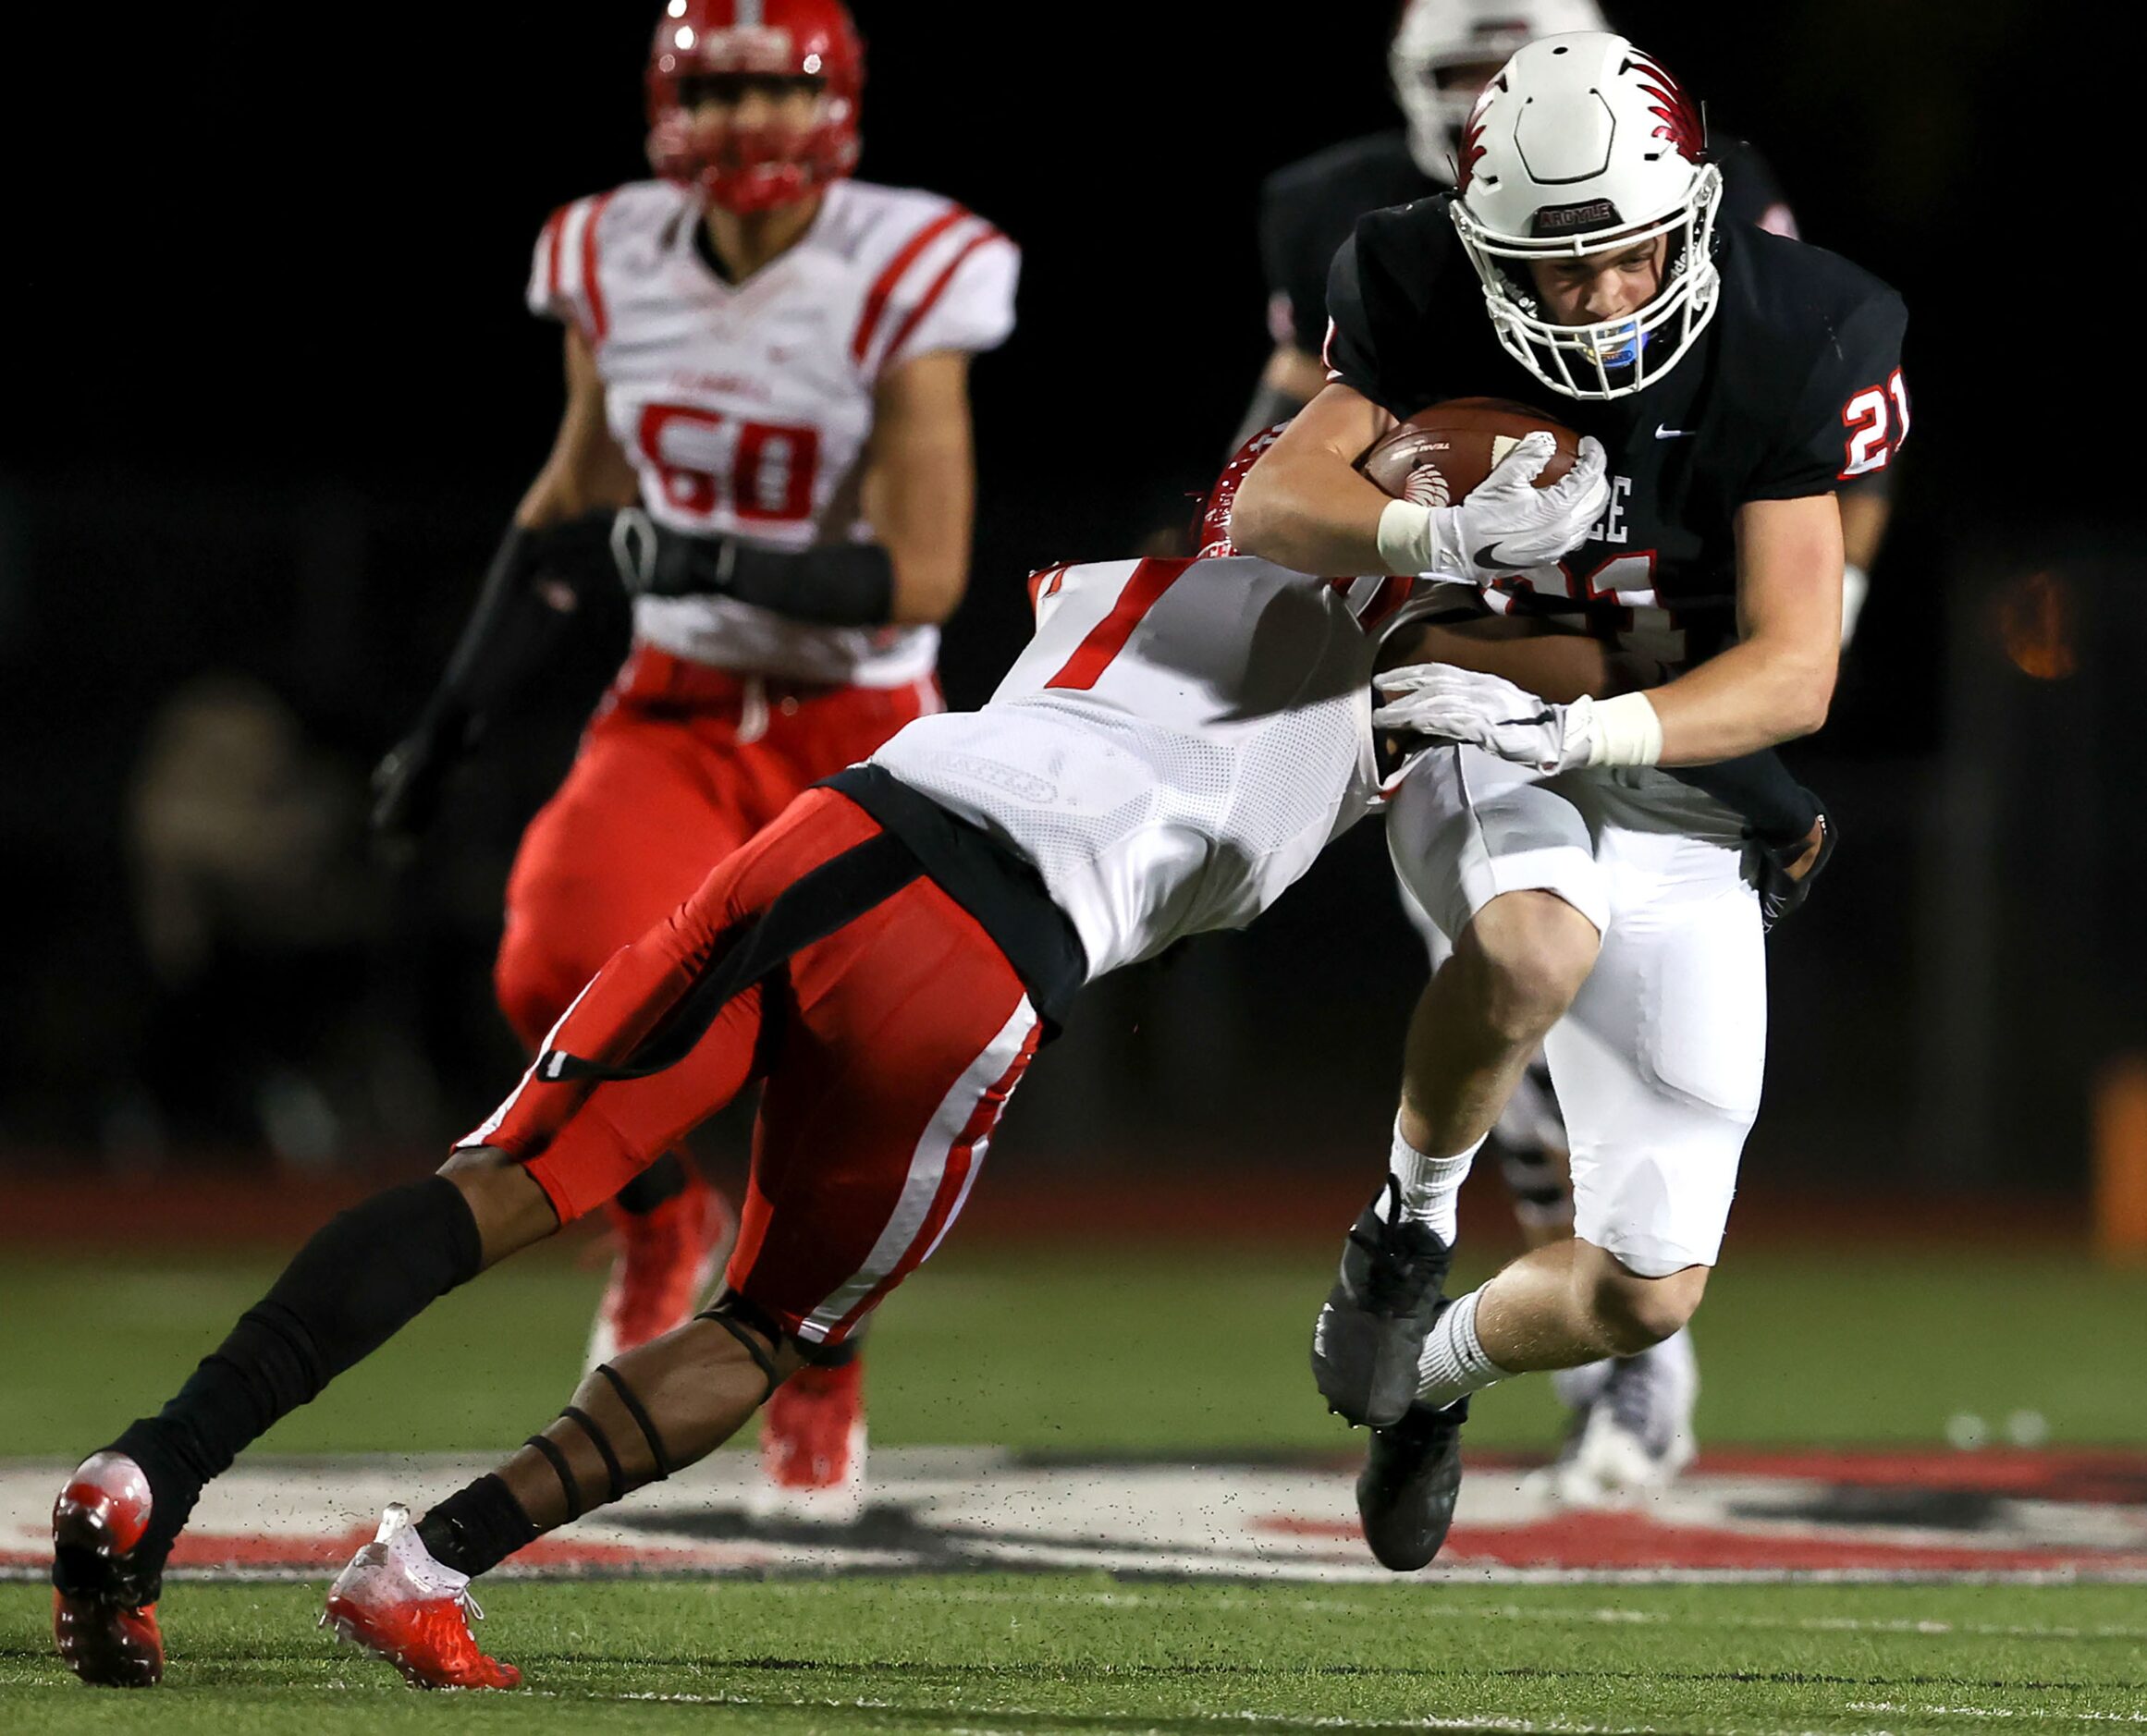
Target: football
1436,457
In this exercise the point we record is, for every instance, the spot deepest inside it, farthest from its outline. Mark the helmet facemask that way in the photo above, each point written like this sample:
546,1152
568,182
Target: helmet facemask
1612,358
1580,146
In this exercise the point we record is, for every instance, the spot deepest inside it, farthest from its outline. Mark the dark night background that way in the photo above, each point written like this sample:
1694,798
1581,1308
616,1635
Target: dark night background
271,394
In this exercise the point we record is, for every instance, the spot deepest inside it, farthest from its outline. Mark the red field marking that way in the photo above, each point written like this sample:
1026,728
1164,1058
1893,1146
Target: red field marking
1872,1513
327,1553
1608,1542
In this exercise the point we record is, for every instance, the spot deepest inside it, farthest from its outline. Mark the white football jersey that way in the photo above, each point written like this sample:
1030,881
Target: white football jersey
1178,743
746,407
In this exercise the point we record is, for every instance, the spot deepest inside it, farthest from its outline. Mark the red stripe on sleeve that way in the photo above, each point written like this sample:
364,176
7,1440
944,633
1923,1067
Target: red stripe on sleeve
936,291
884,285
1108,636
593,291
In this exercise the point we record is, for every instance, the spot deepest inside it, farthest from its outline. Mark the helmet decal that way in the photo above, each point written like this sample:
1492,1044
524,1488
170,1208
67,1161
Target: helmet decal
1472,138
1679,116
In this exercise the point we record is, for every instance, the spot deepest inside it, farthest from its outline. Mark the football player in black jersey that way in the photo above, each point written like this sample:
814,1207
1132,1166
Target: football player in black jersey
1727,381
1632,1416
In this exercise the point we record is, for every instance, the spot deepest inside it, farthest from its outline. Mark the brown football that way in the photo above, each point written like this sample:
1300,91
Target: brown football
1437,454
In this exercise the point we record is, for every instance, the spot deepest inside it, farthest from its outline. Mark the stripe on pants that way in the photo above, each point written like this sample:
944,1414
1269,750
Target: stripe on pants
944,1165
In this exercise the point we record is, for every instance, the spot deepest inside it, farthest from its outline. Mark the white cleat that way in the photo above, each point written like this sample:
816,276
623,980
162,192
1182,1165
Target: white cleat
1633,1436
398,1603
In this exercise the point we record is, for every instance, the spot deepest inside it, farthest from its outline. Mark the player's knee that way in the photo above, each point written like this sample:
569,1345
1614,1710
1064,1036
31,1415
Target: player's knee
1634,1313
1532,952
511,1211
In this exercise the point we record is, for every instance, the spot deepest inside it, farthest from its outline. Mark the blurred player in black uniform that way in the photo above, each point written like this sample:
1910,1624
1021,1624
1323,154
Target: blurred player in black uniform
1443,52
1726,382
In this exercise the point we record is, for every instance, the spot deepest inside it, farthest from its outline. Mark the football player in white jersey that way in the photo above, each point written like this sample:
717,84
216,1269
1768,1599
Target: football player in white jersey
1176,745
767,368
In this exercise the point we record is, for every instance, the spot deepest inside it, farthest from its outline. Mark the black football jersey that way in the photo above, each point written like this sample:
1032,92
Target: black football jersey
1308,209
1793,388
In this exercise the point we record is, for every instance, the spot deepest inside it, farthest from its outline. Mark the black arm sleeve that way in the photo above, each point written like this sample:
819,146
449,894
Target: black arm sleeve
513,630
1779,810
836,584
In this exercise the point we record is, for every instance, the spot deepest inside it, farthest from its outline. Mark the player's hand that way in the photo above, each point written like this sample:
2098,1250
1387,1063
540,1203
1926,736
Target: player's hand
1485,711
1786,871
406,783
1507,524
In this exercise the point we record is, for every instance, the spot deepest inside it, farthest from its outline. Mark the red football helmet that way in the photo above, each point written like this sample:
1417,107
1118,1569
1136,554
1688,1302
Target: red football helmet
754,168
1211,532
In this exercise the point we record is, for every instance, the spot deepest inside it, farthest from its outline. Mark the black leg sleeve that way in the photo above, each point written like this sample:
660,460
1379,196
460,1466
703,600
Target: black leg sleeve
359,1281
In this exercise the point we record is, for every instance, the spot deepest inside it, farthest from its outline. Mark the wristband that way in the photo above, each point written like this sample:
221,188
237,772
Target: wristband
1406,537
1856,585
830,584
1623,731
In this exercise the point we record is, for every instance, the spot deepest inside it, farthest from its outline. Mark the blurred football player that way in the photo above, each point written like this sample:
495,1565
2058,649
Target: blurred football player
767,364
1631,1416
1730,380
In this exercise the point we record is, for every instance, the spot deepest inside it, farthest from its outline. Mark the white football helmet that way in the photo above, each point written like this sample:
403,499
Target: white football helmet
1436,38
1580,143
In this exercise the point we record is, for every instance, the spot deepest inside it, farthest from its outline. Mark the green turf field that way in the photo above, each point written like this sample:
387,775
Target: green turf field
1126,1350
1145,1350
1032,1654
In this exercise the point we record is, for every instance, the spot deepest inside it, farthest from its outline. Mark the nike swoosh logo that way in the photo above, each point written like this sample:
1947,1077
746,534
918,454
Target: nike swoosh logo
1488,555
1674,433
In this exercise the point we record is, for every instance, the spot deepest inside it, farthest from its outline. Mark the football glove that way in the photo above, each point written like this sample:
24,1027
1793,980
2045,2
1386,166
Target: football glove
409,779
1487,712
1783,872
1507,524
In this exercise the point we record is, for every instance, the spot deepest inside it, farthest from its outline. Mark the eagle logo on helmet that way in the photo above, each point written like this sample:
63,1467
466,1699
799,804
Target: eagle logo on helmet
1681,122
1472,137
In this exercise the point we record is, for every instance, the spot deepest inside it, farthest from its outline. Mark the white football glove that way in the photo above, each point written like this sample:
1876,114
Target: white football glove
1491,712
1507,525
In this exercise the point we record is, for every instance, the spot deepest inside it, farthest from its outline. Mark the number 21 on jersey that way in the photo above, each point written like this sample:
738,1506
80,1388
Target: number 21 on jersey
709,463
1877,421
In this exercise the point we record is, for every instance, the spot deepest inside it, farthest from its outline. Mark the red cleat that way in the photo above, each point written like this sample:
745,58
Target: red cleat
666,1261
396,1601
105,1623
812,1445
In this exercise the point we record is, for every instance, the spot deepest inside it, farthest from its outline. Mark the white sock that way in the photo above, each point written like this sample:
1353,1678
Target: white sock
1429,1185
1454,1362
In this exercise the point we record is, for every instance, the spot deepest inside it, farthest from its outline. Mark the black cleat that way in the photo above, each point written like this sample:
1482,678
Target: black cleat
1372,1326
1407,1490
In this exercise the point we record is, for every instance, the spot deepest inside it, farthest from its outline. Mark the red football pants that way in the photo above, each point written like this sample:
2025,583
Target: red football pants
680,765
887,1050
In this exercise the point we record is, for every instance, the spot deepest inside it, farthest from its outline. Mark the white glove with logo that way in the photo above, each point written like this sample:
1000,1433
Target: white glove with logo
1491,712
1507,524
